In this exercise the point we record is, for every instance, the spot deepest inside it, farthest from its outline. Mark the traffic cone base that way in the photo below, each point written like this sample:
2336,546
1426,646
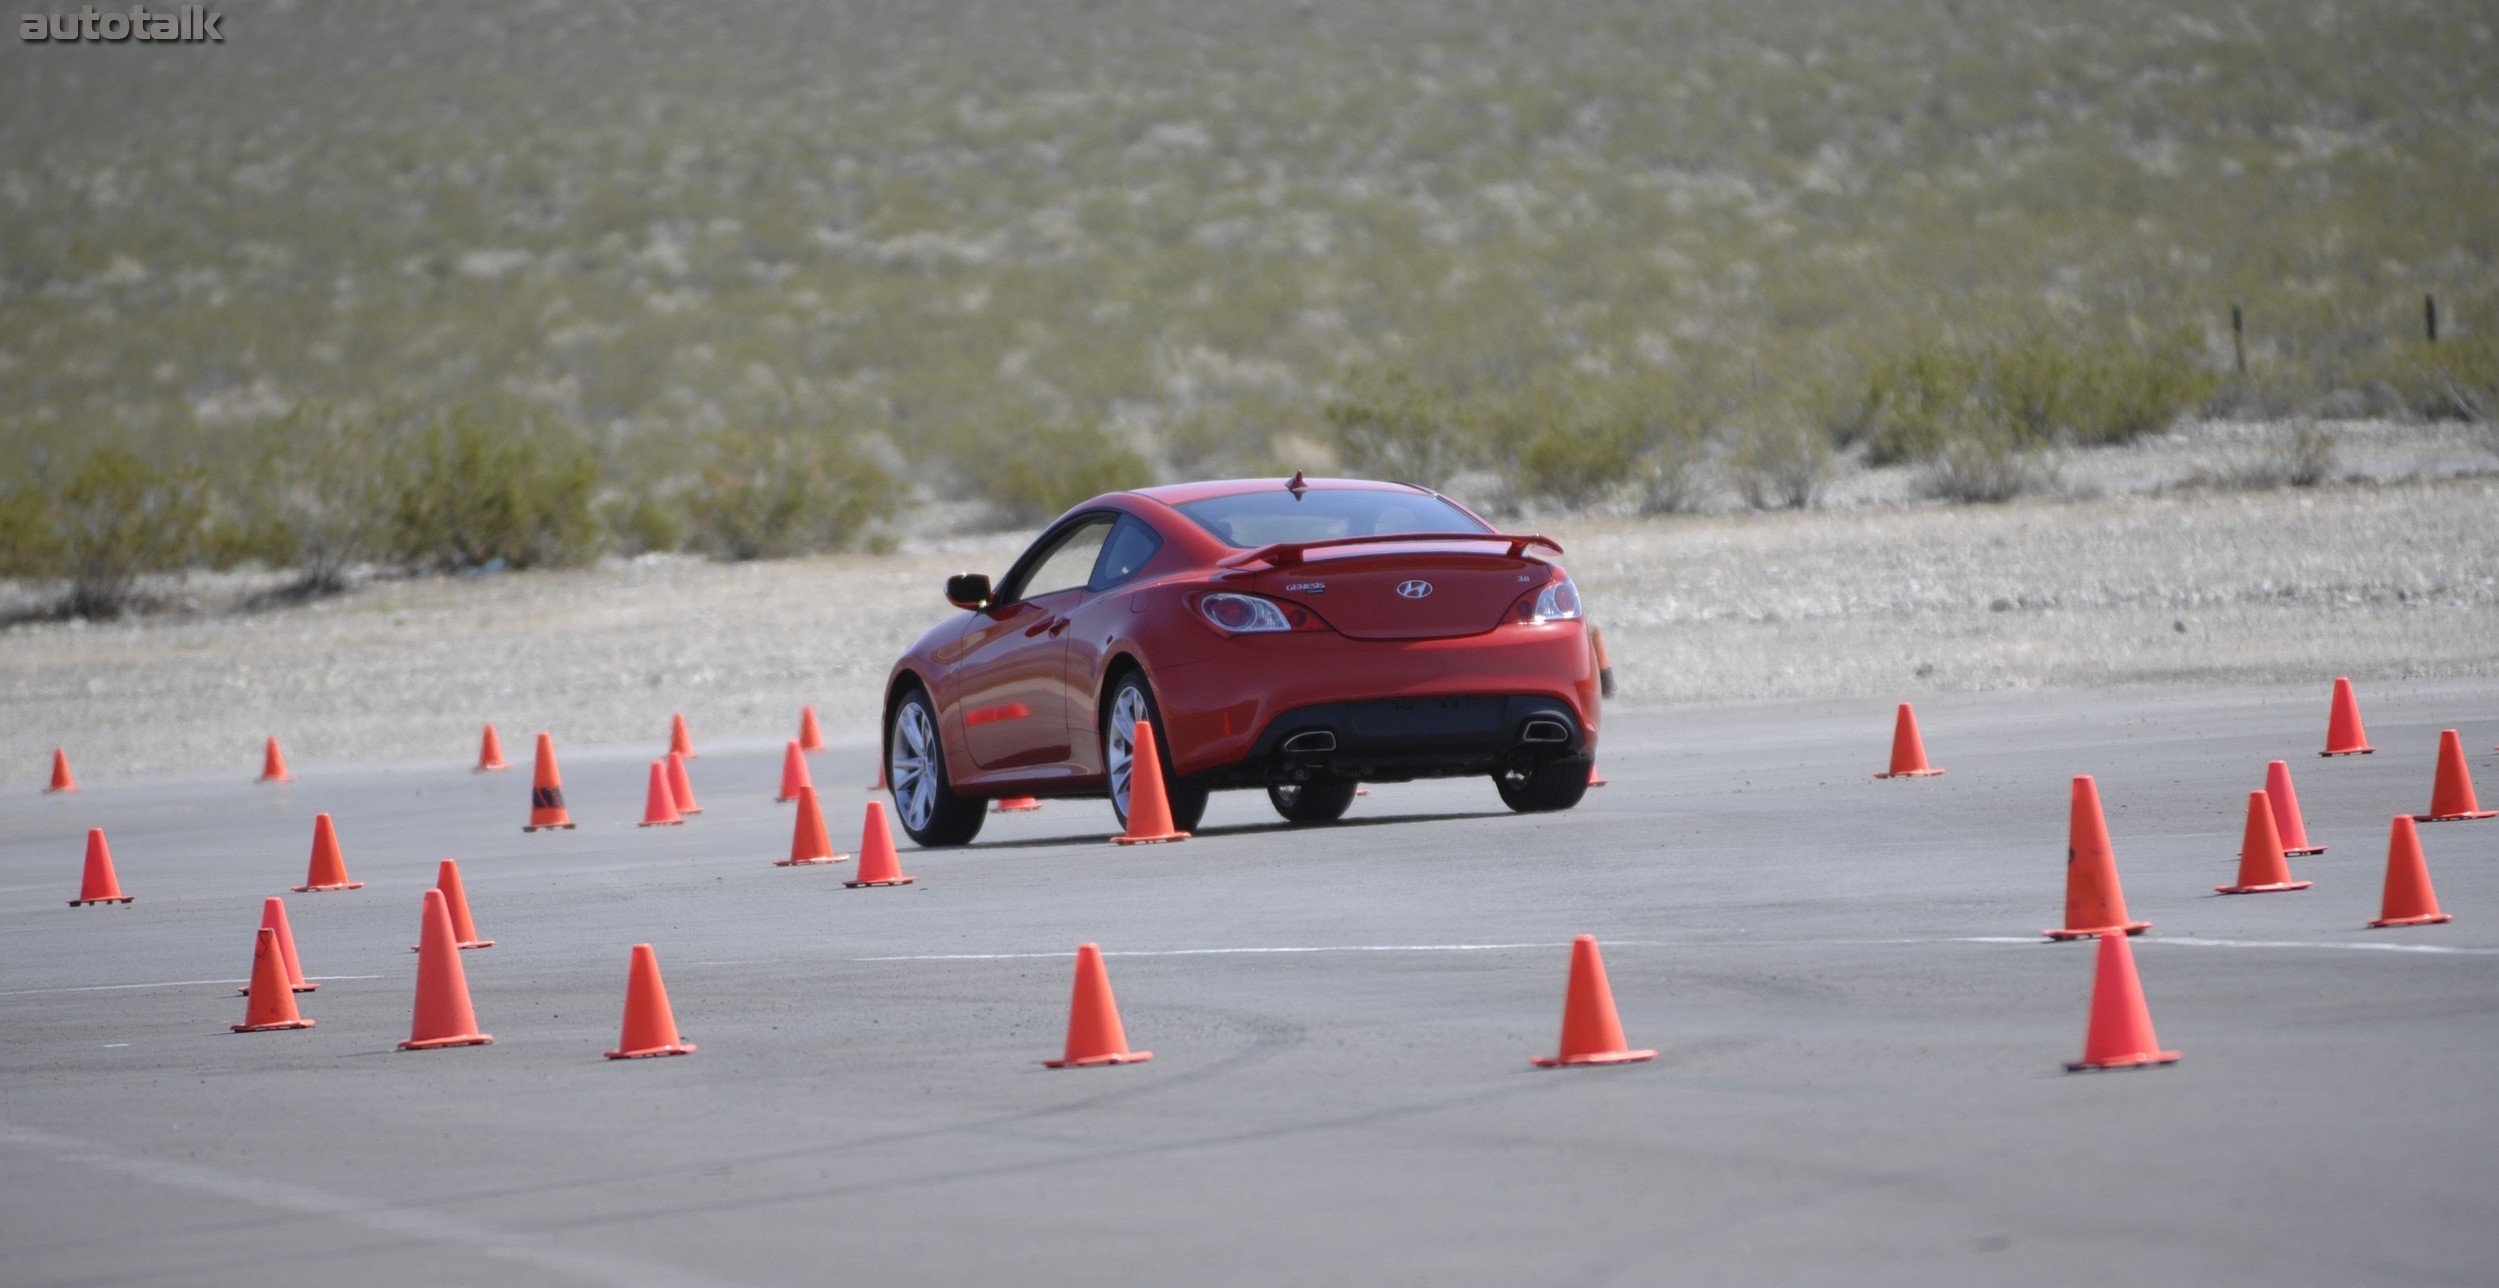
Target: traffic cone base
315,889
490,753
2130,928
428,1044
1592,1033
2270,887
650,1026
61,780
878,864
2139,1060
273,764
548,827
2455,818
2426,919
1908,750
803,863
1015,805
2344,735
110,898
1094,1034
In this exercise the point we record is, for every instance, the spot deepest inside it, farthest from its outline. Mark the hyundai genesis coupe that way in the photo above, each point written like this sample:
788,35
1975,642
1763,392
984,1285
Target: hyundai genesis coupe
1299,635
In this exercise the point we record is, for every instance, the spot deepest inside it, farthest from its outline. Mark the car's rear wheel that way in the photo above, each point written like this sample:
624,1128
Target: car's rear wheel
915,770
1132,700
1319,800
1551,785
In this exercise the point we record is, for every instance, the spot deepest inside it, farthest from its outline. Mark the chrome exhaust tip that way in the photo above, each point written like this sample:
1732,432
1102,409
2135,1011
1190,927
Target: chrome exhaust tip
1545,731
1310,743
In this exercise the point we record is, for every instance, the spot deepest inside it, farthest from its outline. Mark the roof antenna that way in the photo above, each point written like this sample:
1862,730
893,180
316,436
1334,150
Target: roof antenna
1296,486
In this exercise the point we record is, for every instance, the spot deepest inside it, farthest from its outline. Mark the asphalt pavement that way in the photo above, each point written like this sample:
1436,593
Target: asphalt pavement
1861,1034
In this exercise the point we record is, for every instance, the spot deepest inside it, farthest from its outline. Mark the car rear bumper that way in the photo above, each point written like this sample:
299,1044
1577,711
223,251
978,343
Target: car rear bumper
1382,710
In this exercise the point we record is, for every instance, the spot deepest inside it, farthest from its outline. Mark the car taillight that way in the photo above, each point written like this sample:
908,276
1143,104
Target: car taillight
1556,601
1244,614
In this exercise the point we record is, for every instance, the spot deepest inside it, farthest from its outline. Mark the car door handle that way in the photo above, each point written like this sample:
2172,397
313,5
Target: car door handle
1057,626
1053,626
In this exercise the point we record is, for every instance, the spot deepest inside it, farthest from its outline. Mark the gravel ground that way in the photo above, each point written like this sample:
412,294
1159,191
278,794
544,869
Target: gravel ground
2132,579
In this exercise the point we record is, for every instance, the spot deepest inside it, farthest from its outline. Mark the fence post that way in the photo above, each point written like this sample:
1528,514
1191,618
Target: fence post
2238,337
2429,316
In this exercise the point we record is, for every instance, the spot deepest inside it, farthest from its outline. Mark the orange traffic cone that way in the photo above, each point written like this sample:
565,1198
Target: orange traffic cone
456,901
879,784
273,764
99,885
490,753
2286,818
2409,899
273,1001
810,738
2451,794
1094,1033
2261,869
677,740
61,781
443,1017
1591,1032
328,870
681,784
878,865
273,918
2094,903
1908,751
1149,811
546,792
1595,779
808,842
794,773
650,1027
1017,804
659,805
2343,734
2120,1032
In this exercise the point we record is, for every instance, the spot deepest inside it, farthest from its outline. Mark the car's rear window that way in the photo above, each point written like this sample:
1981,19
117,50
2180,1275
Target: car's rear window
1252,519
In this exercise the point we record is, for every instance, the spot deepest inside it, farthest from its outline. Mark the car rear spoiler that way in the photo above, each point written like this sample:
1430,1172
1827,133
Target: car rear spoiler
1286,553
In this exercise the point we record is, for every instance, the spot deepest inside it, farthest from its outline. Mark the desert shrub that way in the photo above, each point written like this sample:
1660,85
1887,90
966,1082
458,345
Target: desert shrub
2298,454
763,494
1055,466
2121,392
30,542
1578,460
1983,468
1916,403
642,522
117,518
312,491
1779,461
2454,379
465,492
1388,426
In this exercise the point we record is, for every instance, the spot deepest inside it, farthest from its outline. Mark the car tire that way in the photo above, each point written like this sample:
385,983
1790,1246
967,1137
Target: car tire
915,772
1319,800
1538,789
1130,699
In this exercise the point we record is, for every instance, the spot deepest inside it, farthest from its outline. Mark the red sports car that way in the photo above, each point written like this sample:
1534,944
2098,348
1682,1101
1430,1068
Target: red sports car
1301,636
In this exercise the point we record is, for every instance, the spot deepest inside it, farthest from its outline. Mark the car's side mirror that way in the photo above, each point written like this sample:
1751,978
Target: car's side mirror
968,590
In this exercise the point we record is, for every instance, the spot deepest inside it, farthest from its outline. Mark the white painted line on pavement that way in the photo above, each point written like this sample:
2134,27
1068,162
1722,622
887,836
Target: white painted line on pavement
2193,942
1222,952
170,983
416,1223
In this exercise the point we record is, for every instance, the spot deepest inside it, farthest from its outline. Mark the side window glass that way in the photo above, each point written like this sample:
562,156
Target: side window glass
1069,563
1132,543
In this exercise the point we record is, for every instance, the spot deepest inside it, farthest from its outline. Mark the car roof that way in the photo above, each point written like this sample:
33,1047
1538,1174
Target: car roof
1184,493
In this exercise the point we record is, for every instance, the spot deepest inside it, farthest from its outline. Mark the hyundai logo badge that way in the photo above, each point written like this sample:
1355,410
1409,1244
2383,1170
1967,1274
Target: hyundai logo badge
1414,589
